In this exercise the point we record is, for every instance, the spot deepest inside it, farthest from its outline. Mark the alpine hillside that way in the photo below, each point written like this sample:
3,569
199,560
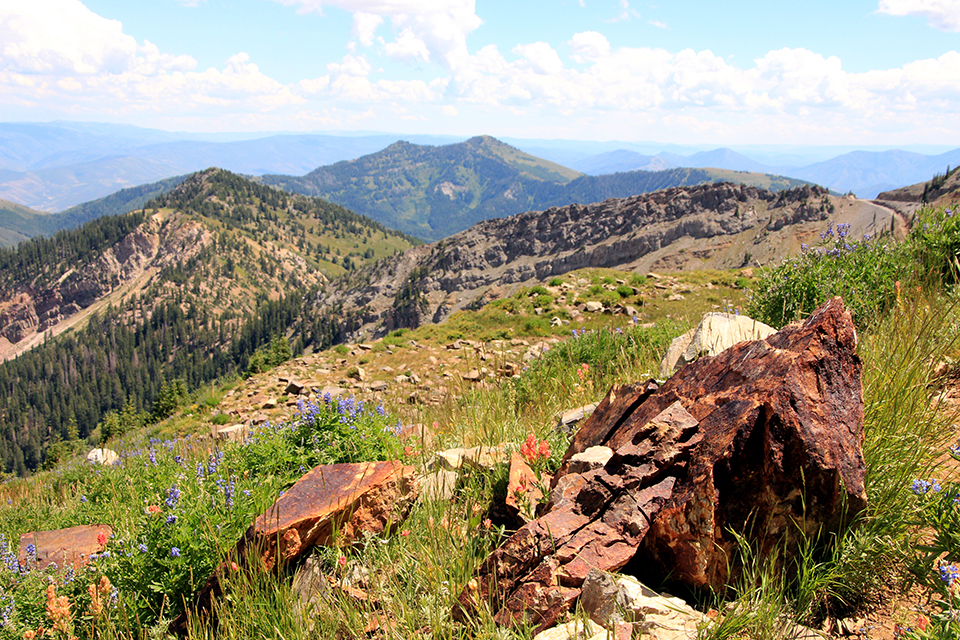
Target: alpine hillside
185,289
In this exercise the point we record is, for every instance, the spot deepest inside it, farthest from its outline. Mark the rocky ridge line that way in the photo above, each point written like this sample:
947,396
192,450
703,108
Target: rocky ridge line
709,226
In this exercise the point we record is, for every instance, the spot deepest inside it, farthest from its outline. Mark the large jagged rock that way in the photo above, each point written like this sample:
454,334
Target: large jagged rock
330,505
763,439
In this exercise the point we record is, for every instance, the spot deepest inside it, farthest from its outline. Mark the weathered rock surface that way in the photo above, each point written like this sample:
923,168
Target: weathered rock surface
764,439
330,505
64,547
714,333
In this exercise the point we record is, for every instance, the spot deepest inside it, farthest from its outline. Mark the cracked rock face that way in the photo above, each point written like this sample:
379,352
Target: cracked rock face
763,439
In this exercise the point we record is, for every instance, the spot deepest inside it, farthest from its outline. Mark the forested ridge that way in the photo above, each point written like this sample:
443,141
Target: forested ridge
201,316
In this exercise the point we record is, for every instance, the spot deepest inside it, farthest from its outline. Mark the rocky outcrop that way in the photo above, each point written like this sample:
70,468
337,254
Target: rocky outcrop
762,440
718,226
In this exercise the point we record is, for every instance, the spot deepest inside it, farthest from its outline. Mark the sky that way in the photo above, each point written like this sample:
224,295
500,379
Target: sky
812,72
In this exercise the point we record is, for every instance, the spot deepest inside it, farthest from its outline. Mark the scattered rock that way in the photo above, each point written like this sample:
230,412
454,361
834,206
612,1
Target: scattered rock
508,369
723,446
472,376
477,457
378,386
293,388
438,485
612,600
593,307
269,404
357,373
716,332
574,630
233,433
333,392
523,488
64,547
570,419
102,456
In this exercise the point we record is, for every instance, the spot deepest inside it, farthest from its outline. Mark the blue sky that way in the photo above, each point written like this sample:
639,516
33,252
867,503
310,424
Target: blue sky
860,72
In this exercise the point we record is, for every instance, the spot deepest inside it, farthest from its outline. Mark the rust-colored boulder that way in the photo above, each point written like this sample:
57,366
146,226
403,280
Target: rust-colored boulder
763,439
63,547
330,505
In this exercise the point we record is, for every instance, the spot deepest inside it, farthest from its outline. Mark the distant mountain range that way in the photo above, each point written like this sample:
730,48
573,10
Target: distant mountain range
865,173
53,166
433,192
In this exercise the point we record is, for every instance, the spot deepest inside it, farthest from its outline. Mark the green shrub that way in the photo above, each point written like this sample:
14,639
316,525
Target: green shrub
555,282
863,272
624,291
269,356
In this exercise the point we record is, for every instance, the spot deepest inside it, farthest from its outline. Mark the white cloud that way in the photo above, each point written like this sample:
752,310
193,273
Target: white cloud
626,13
658,24
539,57
589,45
941,14
365,25
61,36
407,47
58,51
434,30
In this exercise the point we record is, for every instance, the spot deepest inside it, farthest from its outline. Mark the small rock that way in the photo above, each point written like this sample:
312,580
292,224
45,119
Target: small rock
102,456
438,485
333,392
573,630
357,373
482,457
378,385
233,433
715,333
293,388
269,404
593,307
472,376
569,419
